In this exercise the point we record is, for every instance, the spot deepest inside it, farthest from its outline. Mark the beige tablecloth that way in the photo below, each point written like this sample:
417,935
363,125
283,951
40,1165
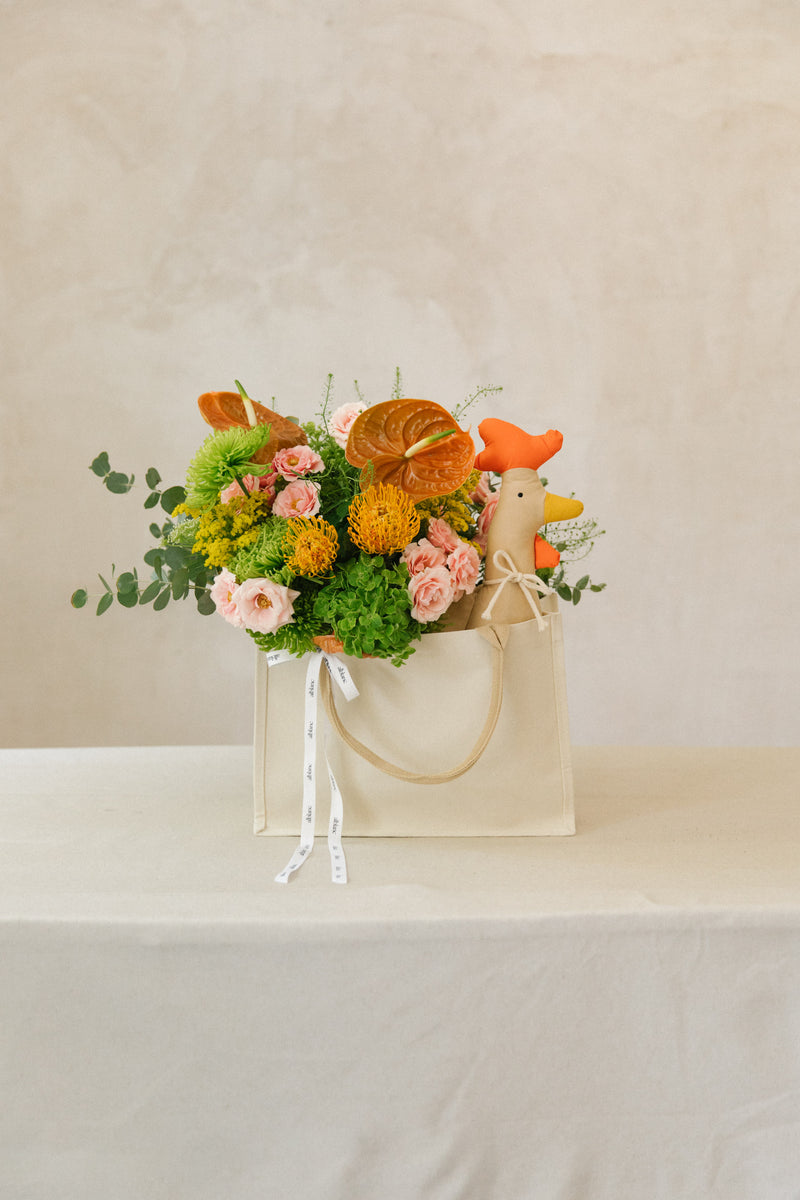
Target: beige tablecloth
610,1016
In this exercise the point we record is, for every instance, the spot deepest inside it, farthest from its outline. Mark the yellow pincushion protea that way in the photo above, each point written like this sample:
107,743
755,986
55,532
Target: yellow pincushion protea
382,519
310,546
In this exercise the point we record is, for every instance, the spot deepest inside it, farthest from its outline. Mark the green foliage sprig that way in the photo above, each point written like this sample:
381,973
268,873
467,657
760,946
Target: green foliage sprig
176,572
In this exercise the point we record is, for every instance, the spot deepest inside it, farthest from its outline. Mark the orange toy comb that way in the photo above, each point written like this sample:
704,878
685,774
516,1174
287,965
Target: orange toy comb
507,446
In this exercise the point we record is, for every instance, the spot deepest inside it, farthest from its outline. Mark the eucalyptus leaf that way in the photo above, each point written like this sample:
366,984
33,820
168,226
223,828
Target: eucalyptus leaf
105,603
128,599
105,582
174,556
179,582
598,587
126,582
152,500
172,497
79,598
152,478
564,591
155,530
118,483
205,604
151,591
162,600
576,596
101,466
581,584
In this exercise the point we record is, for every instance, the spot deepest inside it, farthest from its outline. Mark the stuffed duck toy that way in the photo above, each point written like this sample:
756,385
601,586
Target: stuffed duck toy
509,593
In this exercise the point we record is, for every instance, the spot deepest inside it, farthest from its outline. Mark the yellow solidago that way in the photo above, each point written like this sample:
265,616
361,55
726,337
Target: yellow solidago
455,507
225,528
310,546
382,519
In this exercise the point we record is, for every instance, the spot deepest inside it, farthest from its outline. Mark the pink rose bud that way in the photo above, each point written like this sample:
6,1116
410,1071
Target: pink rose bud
482,491
442,534
485,518
295,461
431,593
221,593
342,419
418,556
298,499
463,565
253,483
264,605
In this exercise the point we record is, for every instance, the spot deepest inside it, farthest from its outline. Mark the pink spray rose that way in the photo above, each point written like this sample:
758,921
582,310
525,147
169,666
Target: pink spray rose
485,519
418,556
482,491
264,605
431,593
342,419
253,483
298,499
295,461
221,592
442,534
463,565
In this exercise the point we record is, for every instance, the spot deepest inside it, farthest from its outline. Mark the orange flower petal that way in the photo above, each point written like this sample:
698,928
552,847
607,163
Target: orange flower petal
221,410
382,436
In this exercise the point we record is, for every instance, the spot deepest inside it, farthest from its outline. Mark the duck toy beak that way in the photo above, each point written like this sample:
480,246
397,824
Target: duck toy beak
560,508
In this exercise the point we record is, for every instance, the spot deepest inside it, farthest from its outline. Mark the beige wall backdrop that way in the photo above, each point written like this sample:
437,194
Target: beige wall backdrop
595,204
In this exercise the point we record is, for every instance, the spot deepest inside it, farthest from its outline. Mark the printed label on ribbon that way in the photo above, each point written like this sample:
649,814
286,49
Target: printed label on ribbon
340,674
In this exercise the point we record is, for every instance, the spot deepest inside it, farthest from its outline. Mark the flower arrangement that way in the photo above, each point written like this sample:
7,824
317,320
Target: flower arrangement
357,532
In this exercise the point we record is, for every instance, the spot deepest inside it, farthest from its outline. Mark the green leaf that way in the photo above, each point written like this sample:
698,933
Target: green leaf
105,603
104,582
205,604
564,591
151,591
152,500
172,497
152,478
155,530
162,600
79,598
118,483
128,599
175,557
180,582
126,582
101,466
598,587
581,584
576,596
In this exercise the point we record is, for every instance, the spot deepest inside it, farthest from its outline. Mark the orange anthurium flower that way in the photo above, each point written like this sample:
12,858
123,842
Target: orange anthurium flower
222,410
415,445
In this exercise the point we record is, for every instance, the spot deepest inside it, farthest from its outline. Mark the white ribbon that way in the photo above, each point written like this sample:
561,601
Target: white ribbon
341,676
530,584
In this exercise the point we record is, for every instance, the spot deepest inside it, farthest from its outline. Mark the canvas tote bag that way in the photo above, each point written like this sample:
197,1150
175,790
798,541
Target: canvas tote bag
469,737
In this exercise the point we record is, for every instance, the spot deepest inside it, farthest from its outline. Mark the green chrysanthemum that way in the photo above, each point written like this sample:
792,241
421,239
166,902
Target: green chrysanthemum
224,456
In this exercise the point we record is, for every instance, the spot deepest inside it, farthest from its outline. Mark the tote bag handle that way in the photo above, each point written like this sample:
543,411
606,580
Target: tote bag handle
496,636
